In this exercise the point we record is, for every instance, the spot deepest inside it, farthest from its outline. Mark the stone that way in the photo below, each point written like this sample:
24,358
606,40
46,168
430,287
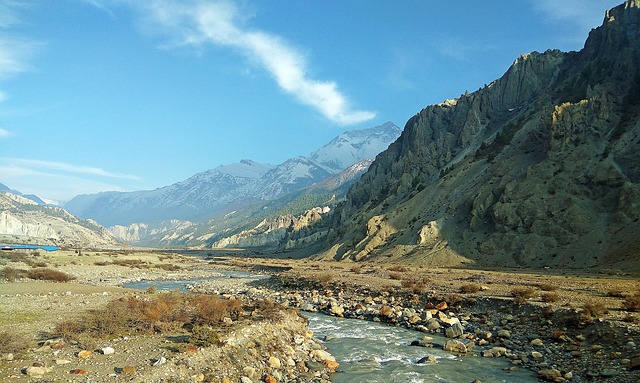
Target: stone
108,350
454,331
332,365
536,342
250,372
160,361
129,370
549,374
314,366
323,355
274,362
503,333
421,343
460,346
245,379
85,354
337,310
433,324
78,371
270,379
36,370
536,355
427,359
634,363
198,378
61,362
442,306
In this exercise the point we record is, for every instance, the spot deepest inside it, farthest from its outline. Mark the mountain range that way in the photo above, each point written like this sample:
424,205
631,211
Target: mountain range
540,168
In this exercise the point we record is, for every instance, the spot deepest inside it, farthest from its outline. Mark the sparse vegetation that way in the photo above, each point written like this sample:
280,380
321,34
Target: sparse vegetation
594,310
12,343
469,288
164,313
11,274
395,276
49,275
521,294
550,296
547,287
632,302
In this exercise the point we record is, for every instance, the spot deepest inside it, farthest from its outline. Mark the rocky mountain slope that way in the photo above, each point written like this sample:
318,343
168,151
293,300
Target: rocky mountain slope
261,225
24,221
539,168
231,187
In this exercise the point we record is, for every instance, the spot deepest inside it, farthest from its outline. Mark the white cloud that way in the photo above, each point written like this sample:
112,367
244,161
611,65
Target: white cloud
68,168
198,23
4,133
583,14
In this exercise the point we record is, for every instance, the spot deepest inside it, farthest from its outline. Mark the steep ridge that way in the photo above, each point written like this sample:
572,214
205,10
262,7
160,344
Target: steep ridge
228,188
539,168
23,221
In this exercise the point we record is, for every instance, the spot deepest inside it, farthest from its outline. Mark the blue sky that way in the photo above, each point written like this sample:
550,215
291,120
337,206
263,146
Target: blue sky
138,94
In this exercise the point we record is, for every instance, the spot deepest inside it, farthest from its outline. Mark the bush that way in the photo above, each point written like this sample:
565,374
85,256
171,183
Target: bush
356,270
397,268
11,274
594,310
616,293
49,275
550,296
469,288
521,294
632,302
547,287
203,336
12,343
395,276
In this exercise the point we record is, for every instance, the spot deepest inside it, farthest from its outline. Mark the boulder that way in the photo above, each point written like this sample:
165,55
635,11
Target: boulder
462,346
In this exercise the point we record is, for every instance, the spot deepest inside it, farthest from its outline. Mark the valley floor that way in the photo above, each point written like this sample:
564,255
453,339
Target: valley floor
574,322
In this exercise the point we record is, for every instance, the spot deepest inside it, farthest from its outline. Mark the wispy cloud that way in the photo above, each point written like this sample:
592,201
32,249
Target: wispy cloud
198,23
582,15
4,133
67,168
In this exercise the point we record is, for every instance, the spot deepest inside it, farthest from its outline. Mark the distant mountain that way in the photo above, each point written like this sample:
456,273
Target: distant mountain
228,188
539,168
23,221
33,197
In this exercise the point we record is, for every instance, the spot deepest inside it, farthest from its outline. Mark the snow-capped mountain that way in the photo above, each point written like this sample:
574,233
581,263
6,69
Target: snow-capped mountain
354,146
230,187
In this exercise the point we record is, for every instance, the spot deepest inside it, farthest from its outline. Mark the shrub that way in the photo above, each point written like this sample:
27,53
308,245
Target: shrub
469,288
594,310
547,287
168,267
521,294
49,275
632,302
356,270
11,274
395,276
12,343
203,336
397,268
616,293
550,296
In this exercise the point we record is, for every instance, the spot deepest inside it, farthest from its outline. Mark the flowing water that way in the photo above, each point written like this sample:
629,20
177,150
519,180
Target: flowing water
374,352
377,353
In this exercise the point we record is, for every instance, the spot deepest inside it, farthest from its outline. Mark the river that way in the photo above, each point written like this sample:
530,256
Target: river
373,352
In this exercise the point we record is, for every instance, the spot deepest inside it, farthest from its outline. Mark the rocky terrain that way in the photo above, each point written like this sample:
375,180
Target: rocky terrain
24,221
538,168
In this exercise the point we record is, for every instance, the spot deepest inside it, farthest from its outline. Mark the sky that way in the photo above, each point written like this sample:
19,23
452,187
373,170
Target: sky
123,95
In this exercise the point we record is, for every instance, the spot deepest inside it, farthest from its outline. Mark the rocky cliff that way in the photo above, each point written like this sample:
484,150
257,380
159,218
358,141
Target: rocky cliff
539,168
24,221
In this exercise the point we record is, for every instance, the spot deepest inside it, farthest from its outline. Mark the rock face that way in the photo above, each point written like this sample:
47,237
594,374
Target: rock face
23,220
231,187
539,168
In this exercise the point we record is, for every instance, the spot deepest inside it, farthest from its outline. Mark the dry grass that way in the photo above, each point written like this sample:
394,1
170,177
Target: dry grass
521,294
469,288
550,297
11,274
12,343
395,276
547,287
594,310
49,275
632,302
164,313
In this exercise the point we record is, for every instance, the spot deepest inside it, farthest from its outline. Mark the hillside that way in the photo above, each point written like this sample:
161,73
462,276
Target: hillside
539,168
23,221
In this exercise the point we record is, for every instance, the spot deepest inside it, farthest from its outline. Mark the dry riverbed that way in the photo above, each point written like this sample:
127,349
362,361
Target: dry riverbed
568,344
